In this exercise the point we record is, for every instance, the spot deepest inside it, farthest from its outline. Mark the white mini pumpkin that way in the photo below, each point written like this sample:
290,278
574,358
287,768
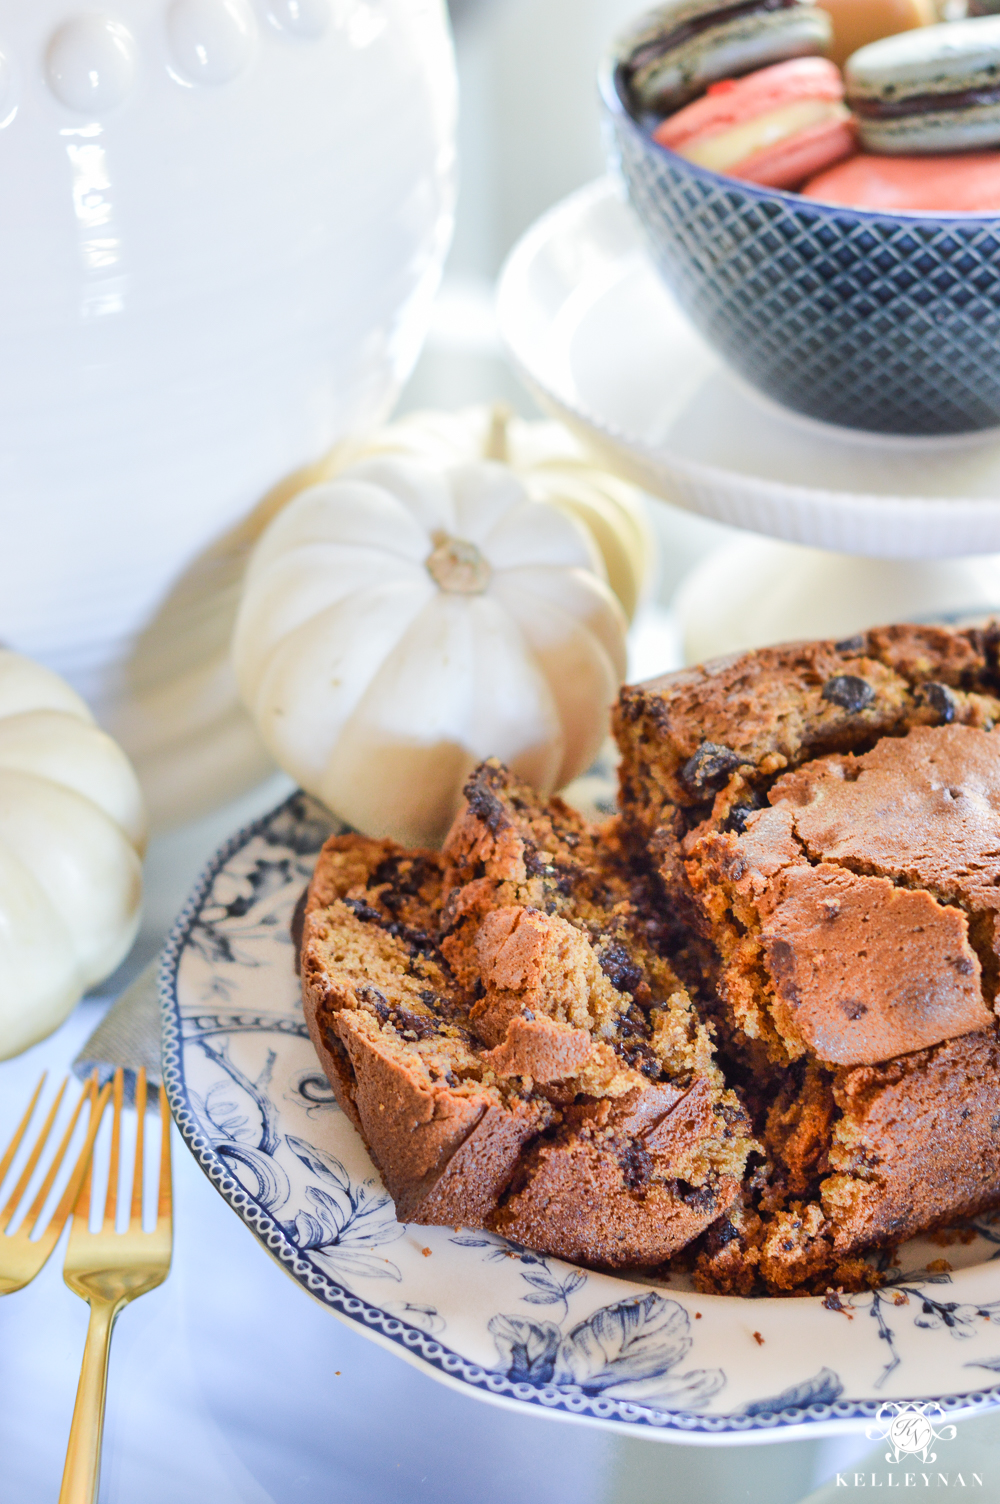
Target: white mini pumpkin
402,622
552,465
72,827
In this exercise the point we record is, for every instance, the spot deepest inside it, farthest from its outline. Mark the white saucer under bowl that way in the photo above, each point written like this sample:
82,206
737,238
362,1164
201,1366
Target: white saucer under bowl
598,339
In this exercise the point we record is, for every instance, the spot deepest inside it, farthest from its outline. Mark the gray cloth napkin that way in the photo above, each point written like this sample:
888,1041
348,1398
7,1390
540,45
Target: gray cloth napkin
127,1036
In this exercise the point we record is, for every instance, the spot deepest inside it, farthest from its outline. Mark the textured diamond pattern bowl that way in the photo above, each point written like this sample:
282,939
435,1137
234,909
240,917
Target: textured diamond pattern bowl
887,322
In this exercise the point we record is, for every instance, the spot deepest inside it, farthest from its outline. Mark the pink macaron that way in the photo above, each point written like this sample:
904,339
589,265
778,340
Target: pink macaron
778,126
960,183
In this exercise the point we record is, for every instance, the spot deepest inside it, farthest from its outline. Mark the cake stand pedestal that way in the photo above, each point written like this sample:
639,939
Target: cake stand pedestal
857,528
756,591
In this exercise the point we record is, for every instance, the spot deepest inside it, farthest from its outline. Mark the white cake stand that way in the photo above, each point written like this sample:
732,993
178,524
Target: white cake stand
872,528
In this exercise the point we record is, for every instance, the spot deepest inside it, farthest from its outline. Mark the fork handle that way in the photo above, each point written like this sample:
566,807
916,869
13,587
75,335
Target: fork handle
82,1471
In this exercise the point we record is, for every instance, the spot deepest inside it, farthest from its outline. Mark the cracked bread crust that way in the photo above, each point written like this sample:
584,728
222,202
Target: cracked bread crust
702,744
856,915
828,817
846,912
506,1081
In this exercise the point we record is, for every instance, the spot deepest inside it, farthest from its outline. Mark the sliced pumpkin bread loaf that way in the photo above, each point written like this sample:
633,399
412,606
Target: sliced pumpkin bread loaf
503,1026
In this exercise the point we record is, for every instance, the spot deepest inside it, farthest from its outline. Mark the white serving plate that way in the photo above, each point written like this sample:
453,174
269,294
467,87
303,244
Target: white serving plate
476,1312
598,339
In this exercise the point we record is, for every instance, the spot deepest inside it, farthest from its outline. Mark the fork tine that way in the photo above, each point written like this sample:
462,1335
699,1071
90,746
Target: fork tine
164,1199
35,1209
135,1216
20,1130
111,1198
18,1192
27,1255
84,1191
72,1196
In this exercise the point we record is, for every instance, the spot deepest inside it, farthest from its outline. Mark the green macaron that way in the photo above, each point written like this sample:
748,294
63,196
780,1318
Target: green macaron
936,89
676,51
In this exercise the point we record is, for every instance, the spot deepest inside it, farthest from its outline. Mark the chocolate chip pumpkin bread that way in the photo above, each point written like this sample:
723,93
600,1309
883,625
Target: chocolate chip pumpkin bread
503,1026
826,818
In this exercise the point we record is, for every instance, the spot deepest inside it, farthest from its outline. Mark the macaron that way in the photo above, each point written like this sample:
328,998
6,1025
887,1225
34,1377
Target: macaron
932,90
954,184
858,22
778,126
677,50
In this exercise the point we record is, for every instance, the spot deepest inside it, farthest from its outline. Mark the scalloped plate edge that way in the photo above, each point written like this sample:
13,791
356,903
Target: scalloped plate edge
416,1347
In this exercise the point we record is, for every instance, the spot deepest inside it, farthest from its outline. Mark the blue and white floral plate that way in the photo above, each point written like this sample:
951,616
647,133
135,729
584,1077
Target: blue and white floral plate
482,1314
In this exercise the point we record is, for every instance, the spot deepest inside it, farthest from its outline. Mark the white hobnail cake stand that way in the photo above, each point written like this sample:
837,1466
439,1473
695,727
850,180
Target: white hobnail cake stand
871,528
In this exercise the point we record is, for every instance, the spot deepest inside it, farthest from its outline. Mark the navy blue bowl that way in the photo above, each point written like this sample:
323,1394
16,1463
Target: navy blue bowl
886,322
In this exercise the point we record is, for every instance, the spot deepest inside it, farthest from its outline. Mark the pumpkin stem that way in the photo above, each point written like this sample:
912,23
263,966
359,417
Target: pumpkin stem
496,446
458,566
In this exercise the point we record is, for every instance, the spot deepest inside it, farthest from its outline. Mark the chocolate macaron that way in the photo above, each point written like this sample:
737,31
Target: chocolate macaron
932,90
676,51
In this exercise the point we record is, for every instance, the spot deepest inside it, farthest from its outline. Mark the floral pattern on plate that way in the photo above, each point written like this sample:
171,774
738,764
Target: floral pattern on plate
503,1322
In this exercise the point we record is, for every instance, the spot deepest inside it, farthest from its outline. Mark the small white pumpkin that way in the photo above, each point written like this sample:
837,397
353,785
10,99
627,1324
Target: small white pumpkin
552,465
72,828
402,622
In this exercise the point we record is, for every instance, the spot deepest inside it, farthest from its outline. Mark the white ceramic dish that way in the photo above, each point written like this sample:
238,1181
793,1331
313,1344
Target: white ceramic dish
474,1311
597,337
224,226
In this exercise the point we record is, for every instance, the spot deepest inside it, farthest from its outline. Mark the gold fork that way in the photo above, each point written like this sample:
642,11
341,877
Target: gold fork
21,1256
108,1269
